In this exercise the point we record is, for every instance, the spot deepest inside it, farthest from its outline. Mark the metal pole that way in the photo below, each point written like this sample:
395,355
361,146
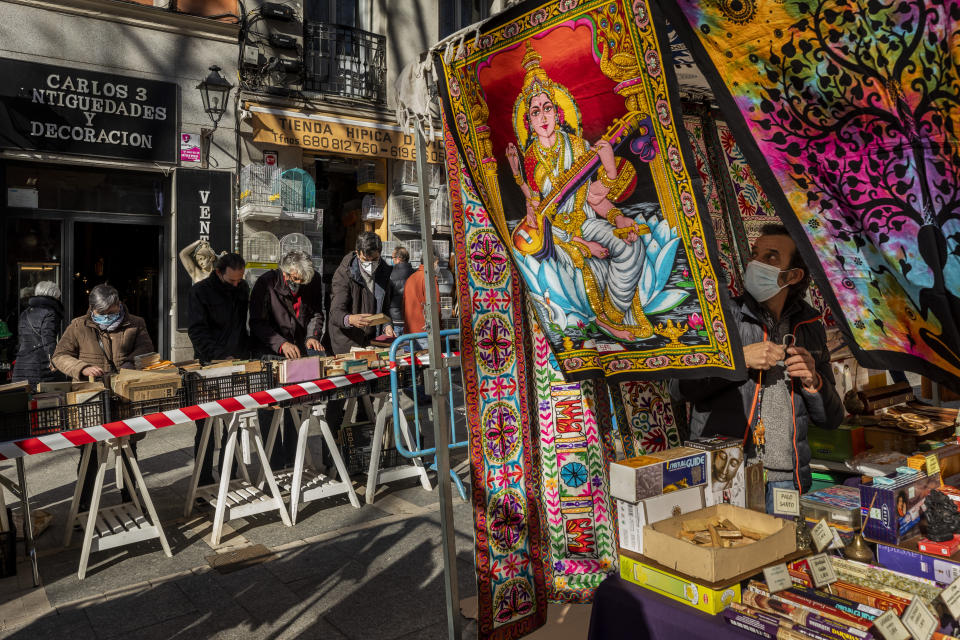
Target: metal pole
438,385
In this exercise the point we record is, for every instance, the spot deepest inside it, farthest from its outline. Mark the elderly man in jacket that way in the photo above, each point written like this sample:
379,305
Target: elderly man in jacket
286,319
218,327
789,384
101,341
361,288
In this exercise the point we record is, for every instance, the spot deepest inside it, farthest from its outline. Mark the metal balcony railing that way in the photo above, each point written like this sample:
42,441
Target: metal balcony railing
345,61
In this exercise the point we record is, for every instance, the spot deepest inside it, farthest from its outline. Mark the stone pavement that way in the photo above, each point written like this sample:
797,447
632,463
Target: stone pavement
340,572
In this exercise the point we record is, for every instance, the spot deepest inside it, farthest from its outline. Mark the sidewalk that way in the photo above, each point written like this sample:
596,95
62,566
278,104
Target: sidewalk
370,573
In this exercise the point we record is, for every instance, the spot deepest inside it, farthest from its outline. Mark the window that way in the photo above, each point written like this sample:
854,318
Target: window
88,189
346,13
457,14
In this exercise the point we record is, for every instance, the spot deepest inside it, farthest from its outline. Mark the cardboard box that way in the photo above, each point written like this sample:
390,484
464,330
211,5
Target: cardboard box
910,560
838,444
945,549
726,480
82,392
632,518
634,479
894,509
660,543
706,598
146,385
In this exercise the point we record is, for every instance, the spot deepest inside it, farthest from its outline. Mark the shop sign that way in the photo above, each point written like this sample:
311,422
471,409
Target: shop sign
337,135
67,110
204,204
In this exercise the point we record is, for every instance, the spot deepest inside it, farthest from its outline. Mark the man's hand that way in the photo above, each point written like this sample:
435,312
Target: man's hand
91,370
763,355
313,343
388,331
290,350
361,320
802,366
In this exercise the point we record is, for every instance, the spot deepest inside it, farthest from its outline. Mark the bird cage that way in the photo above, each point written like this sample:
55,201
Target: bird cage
297,195
404,214
295,242
371,209
262,247
252,274
370,177
407,181
388,248
446,307
440,216
441,250
415,247
260,192
316,245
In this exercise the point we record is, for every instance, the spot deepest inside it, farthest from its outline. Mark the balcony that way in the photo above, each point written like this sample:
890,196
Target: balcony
345,62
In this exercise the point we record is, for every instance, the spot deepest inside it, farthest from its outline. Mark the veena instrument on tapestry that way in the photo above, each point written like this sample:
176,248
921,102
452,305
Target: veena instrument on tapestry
529,238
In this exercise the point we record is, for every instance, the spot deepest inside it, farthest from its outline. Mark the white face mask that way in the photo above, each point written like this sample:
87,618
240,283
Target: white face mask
368,267
761,280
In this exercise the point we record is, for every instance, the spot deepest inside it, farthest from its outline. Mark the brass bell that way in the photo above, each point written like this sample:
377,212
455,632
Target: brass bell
858,550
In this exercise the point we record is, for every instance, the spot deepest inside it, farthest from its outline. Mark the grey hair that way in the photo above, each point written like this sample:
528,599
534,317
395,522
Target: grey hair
102,297
47,288
299,264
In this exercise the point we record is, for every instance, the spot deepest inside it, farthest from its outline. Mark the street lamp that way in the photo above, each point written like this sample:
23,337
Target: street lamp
214,91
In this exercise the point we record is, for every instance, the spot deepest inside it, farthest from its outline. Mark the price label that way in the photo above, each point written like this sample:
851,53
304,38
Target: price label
822,535
951,598
821,570
919,620
933,464
786,502
890,627
837,542
777,578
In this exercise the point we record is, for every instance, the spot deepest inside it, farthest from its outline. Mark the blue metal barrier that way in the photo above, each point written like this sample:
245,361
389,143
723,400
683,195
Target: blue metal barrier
417,450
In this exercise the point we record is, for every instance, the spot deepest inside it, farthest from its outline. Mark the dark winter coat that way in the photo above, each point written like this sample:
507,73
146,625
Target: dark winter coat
39,327
79,347
398,278
721,407
276,317
218,319
351,296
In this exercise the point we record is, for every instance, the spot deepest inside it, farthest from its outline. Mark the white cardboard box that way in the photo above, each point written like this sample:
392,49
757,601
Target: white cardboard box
632,518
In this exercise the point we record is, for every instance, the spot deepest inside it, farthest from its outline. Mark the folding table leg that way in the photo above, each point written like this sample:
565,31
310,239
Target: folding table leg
373,473
275,423
128,452
94,509
337,459
195,478
27,520
271,481
221,509
131,487
75,503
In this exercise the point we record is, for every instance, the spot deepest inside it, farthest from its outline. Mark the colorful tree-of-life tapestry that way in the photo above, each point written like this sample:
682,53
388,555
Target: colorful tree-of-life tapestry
565,119
581,532
645,417
848,112
511,585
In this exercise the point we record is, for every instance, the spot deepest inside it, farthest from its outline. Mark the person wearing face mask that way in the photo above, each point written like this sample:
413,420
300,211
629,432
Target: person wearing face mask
102,341
286,319
787,387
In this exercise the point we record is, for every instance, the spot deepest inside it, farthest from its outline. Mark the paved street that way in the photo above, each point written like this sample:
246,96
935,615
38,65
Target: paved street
339,573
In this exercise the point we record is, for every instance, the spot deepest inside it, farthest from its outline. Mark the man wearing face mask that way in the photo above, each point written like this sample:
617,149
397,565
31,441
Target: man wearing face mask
286,319
102,341
788,387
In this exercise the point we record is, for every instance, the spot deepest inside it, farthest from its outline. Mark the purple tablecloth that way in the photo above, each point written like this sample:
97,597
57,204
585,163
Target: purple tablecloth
624,610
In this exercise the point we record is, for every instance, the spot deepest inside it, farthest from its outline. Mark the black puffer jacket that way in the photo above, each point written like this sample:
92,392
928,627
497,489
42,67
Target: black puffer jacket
39,328
398,278
218,319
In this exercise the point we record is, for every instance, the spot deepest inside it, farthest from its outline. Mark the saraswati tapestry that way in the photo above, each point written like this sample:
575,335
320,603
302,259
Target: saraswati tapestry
511,583
848,112
564,116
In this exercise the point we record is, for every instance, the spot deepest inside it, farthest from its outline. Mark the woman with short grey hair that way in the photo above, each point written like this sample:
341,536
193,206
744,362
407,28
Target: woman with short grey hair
298,265
39,326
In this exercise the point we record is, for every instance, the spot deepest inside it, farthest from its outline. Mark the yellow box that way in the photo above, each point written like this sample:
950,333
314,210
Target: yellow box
694,594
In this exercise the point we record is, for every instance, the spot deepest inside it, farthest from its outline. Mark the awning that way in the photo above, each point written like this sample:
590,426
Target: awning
335,134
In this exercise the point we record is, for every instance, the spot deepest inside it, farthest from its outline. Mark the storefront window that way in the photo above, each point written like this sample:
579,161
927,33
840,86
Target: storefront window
33,255
87,189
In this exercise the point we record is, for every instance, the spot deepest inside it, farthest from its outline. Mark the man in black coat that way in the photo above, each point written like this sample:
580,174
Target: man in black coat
218,327
286,319
39,327
398,278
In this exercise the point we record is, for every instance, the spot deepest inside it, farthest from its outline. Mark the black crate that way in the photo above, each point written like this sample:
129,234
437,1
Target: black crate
124,409
200,389
357,448
30,423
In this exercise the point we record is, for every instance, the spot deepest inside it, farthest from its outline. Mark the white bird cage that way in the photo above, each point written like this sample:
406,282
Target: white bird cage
252,274
297,194
441,250
446,307
259,192
370,177
404,214
261,247
440,216
388,248
295,242
407,181
371,209
415,247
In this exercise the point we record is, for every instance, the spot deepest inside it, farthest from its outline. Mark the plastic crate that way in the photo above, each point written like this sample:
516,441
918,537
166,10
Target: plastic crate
38,422
357,449
200,389
124,409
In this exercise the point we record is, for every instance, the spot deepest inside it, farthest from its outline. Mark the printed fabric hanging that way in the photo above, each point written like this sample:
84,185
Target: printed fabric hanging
566,121
848,113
